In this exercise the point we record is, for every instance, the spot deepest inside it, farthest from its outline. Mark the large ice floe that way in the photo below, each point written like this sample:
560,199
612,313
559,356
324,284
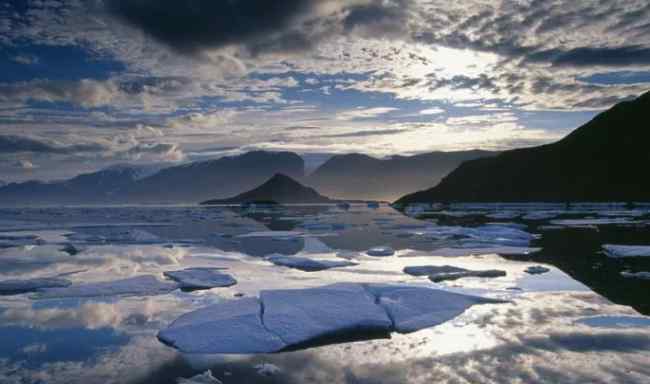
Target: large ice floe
200,278
15,286
490,235
612,250
145,285
307,264
293,318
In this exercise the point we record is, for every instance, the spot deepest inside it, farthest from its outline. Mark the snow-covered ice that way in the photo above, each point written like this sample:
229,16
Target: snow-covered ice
16,286
307,264
614,250
145,285
201,278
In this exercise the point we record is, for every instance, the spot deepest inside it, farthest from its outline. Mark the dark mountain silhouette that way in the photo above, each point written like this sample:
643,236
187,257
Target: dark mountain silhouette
603,160
278,189
357,176
218,178
183,183
97,187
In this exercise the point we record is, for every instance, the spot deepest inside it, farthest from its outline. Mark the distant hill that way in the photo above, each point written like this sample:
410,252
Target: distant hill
603,160
218,178
357,176
279,189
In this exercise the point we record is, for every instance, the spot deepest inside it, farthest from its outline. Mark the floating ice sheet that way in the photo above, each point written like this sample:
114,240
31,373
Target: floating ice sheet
201,278
307,264
286,318
145,285
14,287
613,250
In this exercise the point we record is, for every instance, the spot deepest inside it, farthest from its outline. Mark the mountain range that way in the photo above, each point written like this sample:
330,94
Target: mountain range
603,160
280,189
354,177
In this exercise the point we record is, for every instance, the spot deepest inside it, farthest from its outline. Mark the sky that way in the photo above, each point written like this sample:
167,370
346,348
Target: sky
88,84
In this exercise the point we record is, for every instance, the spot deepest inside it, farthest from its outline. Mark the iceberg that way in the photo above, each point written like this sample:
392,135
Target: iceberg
613,250
292,318
15,287
306,264
380,251
201,278
133,286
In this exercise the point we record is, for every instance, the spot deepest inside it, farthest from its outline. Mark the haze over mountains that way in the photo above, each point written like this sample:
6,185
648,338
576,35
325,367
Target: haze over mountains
353,176
604,160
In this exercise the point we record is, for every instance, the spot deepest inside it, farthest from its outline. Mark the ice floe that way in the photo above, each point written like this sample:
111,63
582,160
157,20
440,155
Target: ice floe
301,315
380,251
414,308
202,378
267,369
274,234
636,275
145,285
613,250
615,321
442,276
468,249
536,270
486,235
594,221
15,286
201,278
291,318
307,264
426,270
231,327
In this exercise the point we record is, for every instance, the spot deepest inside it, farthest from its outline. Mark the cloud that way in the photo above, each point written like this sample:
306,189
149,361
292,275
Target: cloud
431,111
18,144
377,132
364,113
25,59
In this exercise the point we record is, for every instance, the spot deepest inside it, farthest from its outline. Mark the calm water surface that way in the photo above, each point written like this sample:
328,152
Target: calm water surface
580,322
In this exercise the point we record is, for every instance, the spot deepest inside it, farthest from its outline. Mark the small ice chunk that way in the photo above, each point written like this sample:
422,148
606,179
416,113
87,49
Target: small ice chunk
579,223
414,308
71,249
442,276
273,234
298,316
469,250
612,250
203,378
231,327
267,369
609,321
201,278
636,275
426,270
380,251
536,270
15,286
306,264
139,285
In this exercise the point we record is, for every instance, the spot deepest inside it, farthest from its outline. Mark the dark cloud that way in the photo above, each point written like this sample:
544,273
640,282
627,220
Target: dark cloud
625,56
190,26
376,132
17,144
258,25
